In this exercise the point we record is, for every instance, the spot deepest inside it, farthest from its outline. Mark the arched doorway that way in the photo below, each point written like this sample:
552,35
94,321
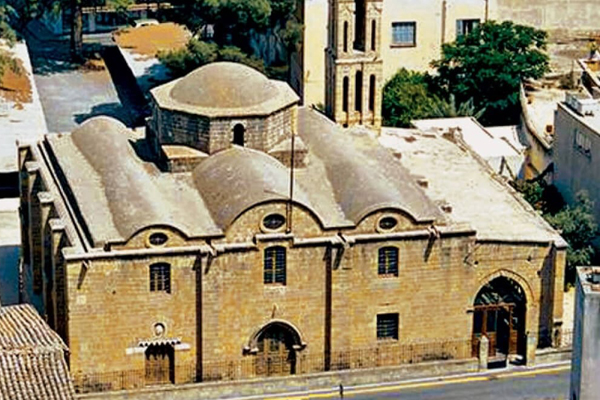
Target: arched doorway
499,314
160,364
238,134
276,346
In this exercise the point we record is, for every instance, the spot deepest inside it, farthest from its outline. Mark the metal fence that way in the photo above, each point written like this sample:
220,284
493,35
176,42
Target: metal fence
253,366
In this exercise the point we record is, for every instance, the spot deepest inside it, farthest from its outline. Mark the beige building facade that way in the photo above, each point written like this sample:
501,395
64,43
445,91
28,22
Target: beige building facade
161,259
413,32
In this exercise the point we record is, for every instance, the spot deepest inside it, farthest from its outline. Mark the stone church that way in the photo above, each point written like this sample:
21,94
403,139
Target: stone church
243,235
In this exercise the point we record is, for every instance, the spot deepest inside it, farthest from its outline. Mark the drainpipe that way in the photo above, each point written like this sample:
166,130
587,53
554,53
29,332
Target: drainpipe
444,10
487,10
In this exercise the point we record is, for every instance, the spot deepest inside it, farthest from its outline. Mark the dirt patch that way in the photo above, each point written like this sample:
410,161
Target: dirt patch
15,85
149,40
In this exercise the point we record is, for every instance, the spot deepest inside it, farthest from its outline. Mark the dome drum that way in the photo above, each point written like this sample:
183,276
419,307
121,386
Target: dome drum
224,104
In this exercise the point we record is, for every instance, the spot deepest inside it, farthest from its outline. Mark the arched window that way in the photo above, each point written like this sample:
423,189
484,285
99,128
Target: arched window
373,35
345,94
388,261
160,278
372,89
275,265
358,91
360,7
238,134
345,36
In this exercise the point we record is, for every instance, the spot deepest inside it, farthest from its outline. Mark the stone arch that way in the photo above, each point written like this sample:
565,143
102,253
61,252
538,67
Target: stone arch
529,296
288,327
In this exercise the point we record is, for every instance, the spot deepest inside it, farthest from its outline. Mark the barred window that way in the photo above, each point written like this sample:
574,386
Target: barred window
274,265
160,278
387,327
388,261
404,34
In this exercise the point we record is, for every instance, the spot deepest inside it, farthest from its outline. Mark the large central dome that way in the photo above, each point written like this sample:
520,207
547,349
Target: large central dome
224,85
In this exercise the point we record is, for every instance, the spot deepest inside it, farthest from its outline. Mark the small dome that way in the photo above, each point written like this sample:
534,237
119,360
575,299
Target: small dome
224,85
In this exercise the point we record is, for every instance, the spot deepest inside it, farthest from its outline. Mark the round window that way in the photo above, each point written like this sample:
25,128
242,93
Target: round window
273,221
387,223
158,239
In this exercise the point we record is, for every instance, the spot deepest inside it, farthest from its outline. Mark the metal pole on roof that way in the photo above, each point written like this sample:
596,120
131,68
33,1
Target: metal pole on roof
289,205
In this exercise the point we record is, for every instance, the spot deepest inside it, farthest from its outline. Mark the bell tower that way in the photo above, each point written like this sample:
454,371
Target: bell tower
353,81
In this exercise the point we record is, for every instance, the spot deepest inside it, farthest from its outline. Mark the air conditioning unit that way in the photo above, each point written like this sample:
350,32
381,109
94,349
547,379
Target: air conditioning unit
582,105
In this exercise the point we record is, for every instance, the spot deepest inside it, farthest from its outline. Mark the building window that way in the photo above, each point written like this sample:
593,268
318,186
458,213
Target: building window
404,34
466,26
358,91
345,36
345,94
387,327
373,35
583,143
388,261
160,278
372,93
238,134
274,265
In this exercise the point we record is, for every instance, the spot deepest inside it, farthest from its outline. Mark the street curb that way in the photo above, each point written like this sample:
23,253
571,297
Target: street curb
383,386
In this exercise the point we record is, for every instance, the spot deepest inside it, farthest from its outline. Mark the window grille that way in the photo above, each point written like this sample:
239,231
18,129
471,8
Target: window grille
274,265
404,33
388,261
160,278
387,327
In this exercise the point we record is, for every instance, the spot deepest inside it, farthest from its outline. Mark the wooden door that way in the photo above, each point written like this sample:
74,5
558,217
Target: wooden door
159,365
275,355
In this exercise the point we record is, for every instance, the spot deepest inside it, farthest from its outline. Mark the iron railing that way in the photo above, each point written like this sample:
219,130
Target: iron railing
252,366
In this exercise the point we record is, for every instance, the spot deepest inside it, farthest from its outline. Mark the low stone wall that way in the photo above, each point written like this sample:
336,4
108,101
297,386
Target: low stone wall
325,381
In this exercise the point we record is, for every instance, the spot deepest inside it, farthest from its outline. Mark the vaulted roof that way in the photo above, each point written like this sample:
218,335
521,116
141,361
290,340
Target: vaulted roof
117,194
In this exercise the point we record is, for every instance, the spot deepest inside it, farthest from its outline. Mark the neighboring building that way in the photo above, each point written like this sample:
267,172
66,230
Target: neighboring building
585,364
197,253
412,32
10,249
576,145
104,18
498,146
32,357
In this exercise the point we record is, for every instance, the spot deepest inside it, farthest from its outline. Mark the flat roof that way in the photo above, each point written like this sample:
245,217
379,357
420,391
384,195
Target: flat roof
19,121
484,142
10,228
476,196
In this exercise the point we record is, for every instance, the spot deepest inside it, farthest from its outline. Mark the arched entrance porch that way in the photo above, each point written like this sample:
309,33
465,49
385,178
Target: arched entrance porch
499,313
275,348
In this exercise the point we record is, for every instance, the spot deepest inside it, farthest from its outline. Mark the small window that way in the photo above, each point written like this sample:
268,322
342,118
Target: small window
404,34
273,222
160,278
158,239
388,261
387,327
238,134
583,143
387,223
466,26
274,265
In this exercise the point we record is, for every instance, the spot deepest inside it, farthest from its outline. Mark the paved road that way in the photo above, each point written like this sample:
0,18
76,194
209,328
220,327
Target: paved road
539,387
543,384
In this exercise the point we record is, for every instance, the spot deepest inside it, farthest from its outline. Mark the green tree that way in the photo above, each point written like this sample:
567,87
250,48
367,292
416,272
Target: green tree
449,109
198,53
407,96
488,65
578,227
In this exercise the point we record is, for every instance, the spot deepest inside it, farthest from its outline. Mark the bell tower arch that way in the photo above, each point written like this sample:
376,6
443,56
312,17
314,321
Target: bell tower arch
353,63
